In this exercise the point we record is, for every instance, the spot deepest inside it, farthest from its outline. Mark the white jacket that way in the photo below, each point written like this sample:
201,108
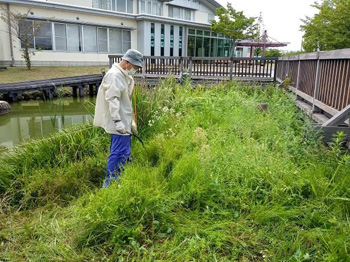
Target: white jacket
113,100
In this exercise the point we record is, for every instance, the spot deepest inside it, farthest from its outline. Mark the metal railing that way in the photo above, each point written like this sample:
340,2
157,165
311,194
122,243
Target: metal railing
324,77
225,68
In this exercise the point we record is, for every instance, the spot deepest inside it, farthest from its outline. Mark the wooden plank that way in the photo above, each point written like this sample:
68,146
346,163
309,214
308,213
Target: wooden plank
339,118
319,104
328,131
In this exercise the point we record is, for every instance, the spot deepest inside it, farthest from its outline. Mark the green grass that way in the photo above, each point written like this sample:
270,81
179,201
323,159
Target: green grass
218,180
20,74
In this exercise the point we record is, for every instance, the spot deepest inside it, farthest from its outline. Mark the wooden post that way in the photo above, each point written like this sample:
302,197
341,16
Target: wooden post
91,90
275,71
144,68
110,61
231,67
190,67
298,74
316,81
75,93
81,91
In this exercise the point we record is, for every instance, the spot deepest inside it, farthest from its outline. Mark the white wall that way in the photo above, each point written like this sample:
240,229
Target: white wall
46,58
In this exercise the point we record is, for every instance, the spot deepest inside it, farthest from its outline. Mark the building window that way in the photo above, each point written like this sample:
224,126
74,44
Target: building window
152,39
151,7
43,40
26,32
208,44
172,40
162,39
119,41
180,40
102,40
76,38
74,43
90,38
115,41
180,13
102,4
60,37
114,5
126,41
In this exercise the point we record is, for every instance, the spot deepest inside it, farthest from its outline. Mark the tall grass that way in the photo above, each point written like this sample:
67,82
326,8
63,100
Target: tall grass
218,180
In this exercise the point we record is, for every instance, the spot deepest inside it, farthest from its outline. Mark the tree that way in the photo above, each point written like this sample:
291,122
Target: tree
234,24
22,29
273,53
329,29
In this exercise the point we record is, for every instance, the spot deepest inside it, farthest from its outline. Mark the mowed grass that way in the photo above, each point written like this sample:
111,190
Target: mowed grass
218,180
20,74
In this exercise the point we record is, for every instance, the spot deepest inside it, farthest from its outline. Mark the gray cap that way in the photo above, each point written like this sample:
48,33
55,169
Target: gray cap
134,57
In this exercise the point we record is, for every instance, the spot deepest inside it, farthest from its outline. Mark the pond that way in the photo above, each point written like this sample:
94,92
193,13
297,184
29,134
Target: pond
37,118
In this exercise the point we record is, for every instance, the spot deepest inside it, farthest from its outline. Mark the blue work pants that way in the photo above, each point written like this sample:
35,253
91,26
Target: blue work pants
119,154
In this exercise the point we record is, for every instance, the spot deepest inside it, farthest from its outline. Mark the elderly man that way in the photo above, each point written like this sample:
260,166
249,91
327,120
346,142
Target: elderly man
114,111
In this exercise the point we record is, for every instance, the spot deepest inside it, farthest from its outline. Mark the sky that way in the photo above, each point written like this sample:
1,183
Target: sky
281,18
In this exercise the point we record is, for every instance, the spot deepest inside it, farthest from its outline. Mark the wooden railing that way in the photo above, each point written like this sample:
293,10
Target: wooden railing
322,78
204,68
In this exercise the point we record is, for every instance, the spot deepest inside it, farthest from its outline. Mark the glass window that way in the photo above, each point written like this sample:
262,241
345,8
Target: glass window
206,47
60,37
102,40
90,39
199,32
74,39
187,14
220,52
149,7
121,5
130,6
176,12
152,39
180,41
105,4
26,32
126,41
43,37
213,47
227,47
96,3
199,46
192,31
115,41
191,45
214,34
143,5
207,33
170,11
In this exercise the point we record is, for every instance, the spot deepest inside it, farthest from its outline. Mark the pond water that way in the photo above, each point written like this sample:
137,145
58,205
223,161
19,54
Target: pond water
37,119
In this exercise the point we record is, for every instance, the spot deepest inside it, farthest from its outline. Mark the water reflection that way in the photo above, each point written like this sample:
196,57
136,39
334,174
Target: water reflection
35,119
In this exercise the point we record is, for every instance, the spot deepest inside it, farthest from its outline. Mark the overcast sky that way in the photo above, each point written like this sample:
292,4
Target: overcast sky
280,17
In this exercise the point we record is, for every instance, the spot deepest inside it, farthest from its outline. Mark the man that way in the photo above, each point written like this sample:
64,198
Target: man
114,112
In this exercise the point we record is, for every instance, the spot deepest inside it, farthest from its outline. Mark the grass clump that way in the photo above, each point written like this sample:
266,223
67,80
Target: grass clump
218,180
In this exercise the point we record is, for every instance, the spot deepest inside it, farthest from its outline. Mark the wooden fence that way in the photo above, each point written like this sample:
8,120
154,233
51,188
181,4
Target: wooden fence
207,68
321,77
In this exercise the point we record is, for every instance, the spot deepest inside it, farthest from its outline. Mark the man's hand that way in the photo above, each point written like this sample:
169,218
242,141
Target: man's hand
134,127
120,127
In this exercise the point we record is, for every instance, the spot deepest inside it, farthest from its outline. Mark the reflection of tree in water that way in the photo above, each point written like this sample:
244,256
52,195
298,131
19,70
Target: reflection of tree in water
34,127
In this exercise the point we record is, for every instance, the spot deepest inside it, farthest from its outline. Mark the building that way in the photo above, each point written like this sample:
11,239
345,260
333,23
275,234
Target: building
84,32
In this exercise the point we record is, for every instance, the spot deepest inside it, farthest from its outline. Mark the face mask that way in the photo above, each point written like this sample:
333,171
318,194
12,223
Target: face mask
132,71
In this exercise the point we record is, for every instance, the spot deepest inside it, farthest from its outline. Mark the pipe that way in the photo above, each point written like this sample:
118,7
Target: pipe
10,33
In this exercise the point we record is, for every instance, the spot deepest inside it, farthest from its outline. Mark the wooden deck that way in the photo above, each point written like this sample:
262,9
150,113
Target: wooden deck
11,91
